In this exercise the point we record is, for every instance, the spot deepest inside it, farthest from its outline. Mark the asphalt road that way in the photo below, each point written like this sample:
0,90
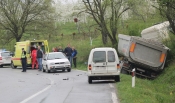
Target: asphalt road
60,87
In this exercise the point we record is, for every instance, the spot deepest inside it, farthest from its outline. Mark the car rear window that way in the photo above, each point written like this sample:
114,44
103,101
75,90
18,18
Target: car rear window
99,56
5,54
111,56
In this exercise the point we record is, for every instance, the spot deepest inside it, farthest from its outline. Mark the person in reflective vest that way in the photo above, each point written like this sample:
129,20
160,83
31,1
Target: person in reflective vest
34,59
23,60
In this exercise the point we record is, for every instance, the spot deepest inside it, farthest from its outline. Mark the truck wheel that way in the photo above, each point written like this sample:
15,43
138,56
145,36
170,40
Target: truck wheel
123,71
1,66
117,78
90,80
12,66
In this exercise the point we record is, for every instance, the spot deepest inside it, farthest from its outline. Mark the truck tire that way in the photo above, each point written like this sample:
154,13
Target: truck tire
123,71
89,79
117,78
12,66
1,66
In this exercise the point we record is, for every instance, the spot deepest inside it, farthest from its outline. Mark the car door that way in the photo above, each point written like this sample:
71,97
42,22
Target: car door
99,62
111,62
6,57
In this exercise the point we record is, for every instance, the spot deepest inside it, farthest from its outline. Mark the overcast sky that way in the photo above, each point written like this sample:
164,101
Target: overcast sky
67,1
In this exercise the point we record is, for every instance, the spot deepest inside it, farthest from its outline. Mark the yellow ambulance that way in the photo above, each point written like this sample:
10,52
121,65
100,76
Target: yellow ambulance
28,46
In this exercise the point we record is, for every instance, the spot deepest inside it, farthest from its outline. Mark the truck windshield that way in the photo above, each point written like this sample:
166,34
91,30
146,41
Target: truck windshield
99,56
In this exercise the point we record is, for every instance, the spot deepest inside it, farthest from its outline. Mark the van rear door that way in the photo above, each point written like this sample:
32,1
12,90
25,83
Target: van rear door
111,62
99,62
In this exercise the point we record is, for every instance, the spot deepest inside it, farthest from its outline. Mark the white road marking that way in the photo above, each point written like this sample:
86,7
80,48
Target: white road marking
36,94
114,97
111,85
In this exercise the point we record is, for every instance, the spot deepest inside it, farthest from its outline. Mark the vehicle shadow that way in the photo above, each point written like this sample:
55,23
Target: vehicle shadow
102,81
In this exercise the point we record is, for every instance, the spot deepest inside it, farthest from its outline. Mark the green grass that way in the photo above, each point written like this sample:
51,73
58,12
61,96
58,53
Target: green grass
160,90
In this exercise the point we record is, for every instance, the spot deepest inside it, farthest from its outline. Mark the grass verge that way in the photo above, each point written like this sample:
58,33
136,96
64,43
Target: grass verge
160,90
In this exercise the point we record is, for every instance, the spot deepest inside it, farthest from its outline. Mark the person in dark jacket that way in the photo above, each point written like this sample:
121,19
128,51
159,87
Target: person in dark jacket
23,60
68,52
39,58
74,56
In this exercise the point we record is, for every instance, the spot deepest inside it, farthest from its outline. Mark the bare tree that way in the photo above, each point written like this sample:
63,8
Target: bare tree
17,15
107,14
167,10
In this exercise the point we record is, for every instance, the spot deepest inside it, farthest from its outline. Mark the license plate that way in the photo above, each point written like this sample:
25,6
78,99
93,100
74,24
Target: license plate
100,68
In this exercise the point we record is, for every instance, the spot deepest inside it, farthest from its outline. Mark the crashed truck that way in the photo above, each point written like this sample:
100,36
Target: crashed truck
145,55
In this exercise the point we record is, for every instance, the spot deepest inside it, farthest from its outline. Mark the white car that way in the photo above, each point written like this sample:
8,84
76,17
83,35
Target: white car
5,58
55,61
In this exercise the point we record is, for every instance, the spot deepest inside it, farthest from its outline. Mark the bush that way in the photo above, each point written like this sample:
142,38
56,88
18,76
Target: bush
170,43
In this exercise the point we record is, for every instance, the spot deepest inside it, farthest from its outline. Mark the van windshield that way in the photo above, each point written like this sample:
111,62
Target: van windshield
99,56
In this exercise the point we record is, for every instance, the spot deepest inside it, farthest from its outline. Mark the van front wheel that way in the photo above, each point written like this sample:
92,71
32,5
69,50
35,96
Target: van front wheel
117,78
90,80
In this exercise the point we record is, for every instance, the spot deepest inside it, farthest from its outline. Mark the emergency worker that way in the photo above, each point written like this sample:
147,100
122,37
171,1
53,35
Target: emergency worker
34,59
23,60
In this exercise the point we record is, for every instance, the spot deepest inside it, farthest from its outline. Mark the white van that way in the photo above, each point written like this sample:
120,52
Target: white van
103,63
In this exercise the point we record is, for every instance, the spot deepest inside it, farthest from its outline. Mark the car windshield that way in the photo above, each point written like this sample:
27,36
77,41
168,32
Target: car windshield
5,54
56,56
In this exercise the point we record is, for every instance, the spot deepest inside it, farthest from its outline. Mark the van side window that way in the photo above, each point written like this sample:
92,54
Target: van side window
111,56
99,56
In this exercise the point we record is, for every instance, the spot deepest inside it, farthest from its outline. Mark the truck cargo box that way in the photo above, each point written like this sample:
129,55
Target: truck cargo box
157,32
143,53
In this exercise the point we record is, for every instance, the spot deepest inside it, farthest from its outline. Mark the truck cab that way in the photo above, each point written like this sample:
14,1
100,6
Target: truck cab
28,47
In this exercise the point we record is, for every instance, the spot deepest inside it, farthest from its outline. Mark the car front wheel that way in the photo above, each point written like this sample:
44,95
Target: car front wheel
44,69
69,70
48,71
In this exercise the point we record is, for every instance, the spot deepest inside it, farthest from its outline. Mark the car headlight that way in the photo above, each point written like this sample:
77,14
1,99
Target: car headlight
67,62
52,63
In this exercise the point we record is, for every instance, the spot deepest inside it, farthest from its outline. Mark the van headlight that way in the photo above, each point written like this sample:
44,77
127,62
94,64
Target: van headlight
52,63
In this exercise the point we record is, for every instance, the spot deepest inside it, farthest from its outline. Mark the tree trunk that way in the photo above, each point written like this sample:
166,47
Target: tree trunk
104,37
18,38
